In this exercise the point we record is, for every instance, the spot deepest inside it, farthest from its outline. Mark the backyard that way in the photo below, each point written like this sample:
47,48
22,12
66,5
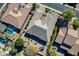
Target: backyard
53,37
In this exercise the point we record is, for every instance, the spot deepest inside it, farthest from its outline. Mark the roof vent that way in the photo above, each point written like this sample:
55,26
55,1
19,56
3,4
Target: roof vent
15,11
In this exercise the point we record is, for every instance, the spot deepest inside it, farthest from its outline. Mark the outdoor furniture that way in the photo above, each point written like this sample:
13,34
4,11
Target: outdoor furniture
2,27
42,48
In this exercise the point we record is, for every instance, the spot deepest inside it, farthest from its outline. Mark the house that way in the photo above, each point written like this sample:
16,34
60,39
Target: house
16,14
75,48
59,39
62,23
69,42
42,25
72,41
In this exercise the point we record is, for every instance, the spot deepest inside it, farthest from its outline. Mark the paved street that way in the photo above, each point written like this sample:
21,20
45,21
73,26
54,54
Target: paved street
59,7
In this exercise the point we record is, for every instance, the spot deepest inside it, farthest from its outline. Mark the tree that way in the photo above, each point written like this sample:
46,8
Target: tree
53,37
33,6
75,24
19,42
68,14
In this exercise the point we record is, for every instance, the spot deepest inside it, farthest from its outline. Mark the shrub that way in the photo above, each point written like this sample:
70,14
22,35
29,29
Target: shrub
19,42
52,52
75,24
68,14
47,10
33,6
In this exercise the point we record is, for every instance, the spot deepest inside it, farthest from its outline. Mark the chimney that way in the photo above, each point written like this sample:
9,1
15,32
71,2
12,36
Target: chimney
43,16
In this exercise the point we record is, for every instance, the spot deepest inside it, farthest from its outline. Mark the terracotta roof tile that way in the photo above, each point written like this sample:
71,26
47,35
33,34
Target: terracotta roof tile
16,21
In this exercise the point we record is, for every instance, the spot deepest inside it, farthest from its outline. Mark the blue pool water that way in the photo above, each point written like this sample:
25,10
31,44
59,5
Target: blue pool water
9,31
3,41
14,28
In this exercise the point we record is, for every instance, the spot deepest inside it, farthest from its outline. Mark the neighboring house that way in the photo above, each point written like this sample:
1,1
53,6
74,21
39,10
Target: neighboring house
16,15
61,35
70,43
42,25
62,23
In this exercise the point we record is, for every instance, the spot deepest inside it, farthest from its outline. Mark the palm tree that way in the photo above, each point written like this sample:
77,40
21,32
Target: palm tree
33,6
68,14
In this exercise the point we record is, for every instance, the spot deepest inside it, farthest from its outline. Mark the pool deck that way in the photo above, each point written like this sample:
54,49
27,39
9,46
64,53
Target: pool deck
31,43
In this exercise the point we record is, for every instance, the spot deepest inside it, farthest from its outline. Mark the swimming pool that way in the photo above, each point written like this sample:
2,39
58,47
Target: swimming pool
3,41
10,32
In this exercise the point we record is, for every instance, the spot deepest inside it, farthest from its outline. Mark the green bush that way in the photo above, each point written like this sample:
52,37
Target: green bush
19,42
68,14
75,24
47,10
52,52
34,5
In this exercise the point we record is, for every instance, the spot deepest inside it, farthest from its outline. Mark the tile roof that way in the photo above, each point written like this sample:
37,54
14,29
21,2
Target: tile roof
74,50
59,39
49,22
14,18
69,40
61,35
74,33
72,40
38,31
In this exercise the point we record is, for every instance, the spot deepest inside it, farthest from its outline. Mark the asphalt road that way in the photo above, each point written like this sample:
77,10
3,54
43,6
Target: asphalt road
60,7
1,4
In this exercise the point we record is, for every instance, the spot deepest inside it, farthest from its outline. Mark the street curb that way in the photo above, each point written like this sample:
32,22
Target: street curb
3,7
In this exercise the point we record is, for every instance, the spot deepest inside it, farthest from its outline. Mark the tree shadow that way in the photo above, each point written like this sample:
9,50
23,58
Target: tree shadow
62,23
